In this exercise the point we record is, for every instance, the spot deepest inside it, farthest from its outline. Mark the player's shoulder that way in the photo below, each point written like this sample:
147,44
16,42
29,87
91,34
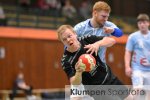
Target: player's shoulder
64,59
65,56
109,23
85,37
82,24
134,34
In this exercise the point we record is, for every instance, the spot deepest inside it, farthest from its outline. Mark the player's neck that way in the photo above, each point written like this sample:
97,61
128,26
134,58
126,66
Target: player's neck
144,32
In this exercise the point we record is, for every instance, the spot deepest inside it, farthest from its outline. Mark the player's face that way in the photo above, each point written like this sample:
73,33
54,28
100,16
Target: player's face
20,76
143,26
101,17
69,38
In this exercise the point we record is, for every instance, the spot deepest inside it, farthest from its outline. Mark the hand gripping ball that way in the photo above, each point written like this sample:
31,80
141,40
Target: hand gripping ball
87,62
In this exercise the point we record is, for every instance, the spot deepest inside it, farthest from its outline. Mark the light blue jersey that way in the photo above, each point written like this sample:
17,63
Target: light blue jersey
140,46
85,28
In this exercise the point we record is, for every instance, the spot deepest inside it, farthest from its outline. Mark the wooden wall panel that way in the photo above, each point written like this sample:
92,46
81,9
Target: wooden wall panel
38,59
9,63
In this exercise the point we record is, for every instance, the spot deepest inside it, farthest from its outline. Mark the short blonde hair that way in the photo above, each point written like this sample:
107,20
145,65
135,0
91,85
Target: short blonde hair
101,5
62,29
142,17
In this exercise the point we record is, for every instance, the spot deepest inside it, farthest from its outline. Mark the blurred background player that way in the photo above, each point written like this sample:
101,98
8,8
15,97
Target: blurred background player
137,54
69,12
3,20
20,84
98,25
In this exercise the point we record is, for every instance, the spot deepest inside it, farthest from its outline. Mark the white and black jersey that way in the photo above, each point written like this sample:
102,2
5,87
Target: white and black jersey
98,76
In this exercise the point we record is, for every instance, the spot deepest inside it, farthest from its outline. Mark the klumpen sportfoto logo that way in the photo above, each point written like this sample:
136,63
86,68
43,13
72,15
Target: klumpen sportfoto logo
106,92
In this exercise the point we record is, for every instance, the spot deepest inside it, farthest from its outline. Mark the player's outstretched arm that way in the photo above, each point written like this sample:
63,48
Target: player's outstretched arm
105,42
127,59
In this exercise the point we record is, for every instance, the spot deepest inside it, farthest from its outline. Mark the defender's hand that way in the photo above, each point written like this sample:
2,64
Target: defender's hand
92,48
108,30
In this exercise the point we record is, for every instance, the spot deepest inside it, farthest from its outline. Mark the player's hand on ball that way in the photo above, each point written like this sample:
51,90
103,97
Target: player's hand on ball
92,48
78,67
108,30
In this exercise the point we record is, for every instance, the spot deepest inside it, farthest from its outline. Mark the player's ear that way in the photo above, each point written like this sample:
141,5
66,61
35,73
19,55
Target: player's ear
94,13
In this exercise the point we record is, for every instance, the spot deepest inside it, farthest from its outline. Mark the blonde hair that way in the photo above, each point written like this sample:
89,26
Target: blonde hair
62,29
142,17
101,5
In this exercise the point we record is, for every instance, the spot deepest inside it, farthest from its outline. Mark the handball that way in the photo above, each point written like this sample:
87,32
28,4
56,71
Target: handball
87,62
